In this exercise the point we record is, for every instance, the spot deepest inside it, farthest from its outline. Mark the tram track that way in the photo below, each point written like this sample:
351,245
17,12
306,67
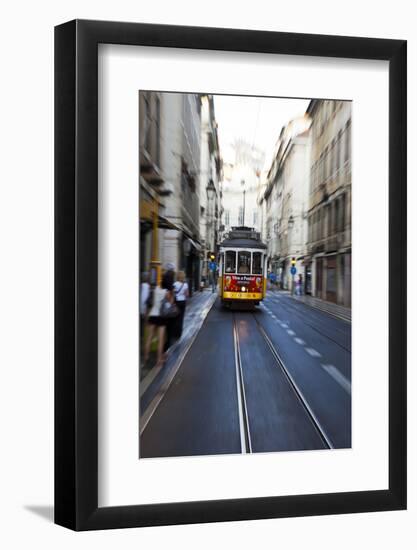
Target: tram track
242,398
298,313
297,391
293,387
245,439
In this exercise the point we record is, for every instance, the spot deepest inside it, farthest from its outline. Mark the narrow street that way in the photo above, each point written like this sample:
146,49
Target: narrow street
275,378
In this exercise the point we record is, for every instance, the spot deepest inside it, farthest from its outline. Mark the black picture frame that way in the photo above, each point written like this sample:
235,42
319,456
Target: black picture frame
76,271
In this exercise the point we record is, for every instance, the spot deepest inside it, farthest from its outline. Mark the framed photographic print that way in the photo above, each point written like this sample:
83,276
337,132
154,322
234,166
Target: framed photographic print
230,229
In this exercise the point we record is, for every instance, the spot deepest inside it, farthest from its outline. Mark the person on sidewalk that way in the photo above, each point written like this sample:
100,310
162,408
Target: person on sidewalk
167,282
156,323
181,294
213,275
300,285
144,297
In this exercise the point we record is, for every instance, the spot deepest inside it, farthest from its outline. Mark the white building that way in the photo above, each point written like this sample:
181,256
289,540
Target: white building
286,201
240,187
210,192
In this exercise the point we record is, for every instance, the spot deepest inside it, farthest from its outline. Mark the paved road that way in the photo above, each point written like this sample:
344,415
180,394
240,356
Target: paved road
273,379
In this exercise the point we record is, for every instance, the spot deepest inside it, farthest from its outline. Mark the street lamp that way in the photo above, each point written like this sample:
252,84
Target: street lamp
211,190
211,193
244,191
293,261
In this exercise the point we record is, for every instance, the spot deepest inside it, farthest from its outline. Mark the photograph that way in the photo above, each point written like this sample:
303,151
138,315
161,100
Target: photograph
245,274
181,362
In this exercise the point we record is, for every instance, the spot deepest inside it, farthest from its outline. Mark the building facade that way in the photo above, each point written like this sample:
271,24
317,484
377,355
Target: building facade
210,191
240,187
285,205
329,214
152,191
169,152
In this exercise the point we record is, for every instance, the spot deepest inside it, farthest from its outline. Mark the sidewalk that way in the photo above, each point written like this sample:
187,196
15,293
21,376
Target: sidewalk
337,310
196,311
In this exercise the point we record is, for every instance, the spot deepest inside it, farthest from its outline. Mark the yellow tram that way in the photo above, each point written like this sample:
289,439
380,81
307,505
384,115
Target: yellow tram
242,267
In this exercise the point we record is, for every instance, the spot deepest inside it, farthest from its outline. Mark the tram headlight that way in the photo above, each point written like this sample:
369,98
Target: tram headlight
258,281
243,289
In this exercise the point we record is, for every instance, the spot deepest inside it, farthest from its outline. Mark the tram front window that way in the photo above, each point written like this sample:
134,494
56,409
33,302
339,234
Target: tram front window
243,262
257,263
230,263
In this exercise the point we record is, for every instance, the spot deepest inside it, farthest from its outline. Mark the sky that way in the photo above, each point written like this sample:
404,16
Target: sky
257,120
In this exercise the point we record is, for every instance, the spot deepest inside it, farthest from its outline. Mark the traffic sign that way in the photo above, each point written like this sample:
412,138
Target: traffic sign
293,270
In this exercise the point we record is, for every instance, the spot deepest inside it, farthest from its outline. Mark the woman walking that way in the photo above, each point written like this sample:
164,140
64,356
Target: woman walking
168,279
144,294
181,295
157,323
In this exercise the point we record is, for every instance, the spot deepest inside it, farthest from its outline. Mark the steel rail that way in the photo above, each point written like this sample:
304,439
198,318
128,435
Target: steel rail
316,423
245,438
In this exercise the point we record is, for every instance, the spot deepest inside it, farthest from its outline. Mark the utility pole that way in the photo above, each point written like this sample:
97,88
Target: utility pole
244,191
155,262
293,272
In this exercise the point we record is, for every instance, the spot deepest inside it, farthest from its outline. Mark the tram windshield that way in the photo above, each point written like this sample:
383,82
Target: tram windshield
257,263
230,262
243,262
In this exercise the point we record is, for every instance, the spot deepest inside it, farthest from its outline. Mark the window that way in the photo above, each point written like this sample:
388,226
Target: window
334,157
328,162
257,263
326,221
243,262
319,226
347,142
342,213
147,129
240,217
255,218
322,168
158,131
338,150
342,148
230,266
336,215
227,217
313,226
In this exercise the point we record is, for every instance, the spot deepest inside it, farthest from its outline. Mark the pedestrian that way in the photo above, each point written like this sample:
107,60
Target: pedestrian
300,285
156,323
167,282
181,294
144,300
213,278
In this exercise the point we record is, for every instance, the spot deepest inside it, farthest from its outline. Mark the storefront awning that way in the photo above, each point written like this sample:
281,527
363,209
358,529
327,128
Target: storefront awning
197,246
163,223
